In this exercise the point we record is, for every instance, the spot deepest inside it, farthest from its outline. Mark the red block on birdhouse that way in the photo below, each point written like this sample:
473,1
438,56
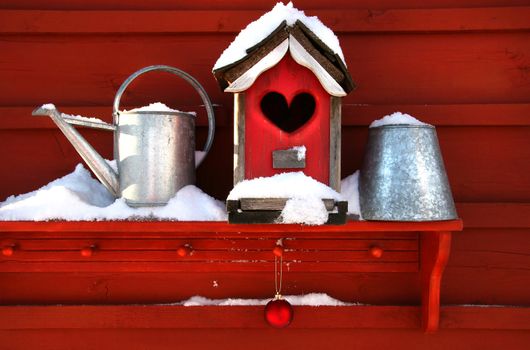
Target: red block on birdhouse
287,87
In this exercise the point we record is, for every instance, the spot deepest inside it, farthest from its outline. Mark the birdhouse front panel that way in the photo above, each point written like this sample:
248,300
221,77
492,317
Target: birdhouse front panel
287,108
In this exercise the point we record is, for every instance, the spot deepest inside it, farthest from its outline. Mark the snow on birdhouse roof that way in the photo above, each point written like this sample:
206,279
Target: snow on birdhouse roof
260,29
264,42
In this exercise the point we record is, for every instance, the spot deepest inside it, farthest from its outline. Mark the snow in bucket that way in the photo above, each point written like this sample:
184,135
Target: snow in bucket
156,107
397,118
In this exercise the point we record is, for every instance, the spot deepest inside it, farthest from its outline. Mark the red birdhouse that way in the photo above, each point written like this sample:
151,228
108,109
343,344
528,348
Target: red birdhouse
287,97
287,104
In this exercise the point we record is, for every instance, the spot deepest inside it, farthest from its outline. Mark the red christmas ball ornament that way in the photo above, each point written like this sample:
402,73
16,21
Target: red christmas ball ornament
279,313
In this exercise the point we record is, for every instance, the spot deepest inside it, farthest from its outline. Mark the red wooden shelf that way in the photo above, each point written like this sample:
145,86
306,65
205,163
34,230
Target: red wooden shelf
131,246
217,227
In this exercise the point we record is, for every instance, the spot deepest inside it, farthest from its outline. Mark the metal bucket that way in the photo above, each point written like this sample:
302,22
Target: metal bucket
403,177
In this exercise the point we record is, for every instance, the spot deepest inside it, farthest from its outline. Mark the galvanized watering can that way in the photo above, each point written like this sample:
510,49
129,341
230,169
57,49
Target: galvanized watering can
154,150
403,176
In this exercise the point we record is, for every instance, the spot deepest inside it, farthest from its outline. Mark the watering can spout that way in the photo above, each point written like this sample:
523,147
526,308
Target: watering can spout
102,170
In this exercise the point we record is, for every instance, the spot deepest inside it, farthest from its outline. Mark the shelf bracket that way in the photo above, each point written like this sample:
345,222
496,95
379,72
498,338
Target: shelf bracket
435,248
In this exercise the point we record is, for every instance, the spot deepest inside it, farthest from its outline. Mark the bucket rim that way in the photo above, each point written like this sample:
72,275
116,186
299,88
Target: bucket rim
407,126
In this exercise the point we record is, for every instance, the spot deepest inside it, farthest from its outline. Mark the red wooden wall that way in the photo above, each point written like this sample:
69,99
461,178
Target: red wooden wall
463,66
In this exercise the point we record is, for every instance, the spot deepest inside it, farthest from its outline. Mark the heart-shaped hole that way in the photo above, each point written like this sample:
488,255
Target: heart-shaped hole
288,118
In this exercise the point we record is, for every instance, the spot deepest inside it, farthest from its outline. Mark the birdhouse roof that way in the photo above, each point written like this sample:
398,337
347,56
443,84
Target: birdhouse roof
264,42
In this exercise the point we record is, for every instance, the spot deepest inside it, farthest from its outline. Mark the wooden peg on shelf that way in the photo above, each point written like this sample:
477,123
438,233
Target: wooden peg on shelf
376,252
88,251
8,250
184,250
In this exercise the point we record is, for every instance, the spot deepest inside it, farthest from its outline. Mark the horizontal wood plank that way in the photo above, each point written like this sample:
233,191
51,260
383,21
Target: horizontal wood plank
166,316
390,69
515,114
497,317
149,232
212,267
210,257
351,229
274,203
170,21
239,258
13,118
261,5
248,317
476,215
91,287
258,244
495,215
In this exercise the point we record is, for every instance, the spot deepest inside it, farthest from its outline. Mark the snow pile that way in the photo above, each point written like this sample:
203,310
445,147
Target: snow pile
258,30
202,301
82,119
48,106
308,210
156,107
305,195
349,188
284,185
300,152
312,299
396,119
79,197
51,107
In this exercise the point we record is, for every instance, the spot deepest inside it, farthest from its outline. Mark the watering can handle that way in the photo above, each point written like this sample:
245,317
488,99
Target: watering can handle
183,75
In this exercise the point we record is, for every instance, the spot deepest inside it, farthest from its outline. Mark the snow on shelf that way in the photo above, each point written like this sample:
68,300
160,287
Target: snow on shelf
284,185
349,188
308,210
311,299
305,194
258,30
79,197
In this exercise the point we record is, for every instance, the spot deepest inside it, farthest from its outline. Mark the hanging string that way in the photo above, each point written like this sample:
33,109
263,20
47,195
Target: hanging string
278,277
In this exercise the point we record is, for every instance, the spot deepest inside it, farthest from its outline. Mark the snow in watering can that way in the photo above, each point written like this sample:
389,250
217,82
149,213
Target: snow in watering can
154,146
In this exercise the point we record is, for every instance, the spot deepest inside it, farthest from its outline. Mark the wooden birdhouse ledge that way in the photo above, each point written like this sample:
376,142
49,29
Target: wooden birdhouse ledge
48,251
